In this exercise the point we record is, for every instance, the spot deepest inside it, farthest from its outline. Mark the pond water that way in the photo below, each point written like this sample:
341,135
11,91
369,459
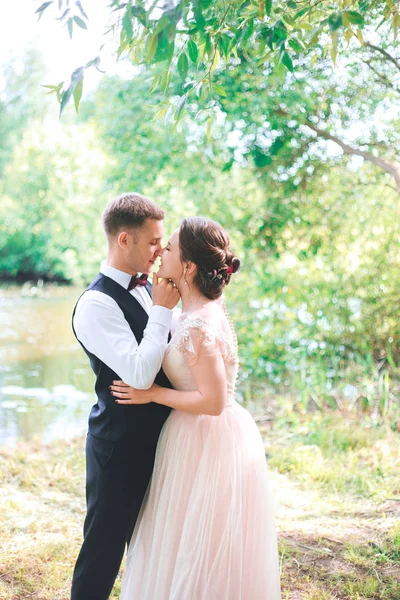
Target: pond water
46,384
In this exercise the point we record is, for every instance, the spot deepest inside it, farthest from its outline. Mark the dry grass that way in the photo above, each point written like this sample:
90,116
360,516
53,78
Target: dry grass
339,535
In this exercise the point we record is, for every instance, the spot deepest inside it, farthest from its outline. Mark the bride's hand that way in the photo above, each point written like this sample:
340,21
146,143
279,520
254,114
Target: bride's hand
126,394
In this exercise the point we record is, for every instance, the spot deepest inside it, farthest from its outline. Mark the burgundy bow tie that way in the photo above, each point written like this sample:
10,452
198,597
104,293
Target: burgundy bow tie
135,280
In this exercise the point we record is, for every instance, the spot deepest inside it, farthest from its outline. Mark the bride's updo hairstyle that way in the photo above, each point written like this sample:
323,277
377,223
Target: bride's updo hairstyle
206,244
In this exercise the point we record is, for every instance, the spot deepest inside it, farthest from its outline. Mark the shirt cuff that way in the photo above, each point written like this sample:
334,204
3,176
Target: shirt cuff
161,315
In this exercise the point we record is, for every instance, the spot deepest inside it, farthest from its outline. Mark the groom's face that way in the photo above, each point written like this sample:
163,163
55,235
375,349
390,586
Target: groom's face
145,246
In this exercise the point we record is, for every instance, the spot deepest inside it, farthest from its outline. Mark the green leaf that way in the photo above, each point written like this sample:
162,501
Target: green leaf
198,14
180,106
353,17
289,20
314,37
193,51
292,4
70,23
127,25
304,26
228,165
301,12
166,78
171,32
155,83
335,21
162,51
209,48
287,61
297,45
162,24
348,34
78,94
334,48
76,77
264,58
280,31
208,129
268,7
64,14
141,15
224,43
42,8
189,85
65,96
95,62
381,22
80,22
160,113
276,146
151,47
53,87
183,65
360,36
79,5
219,89
249,30
260,158
396,22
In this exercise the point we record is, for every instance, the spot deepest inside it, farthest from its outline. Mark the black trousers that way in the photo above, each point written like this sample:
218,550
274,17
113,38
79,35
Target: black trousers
117,476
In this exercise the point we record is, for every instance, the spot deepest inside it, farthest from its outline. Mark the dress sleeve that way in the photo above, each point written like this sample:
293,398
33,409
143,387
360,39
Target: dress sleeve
199,336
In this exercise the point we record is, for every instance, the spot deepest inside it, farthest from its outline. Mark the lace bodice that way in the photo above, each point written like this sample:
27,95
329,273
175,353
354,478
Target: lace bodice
209,329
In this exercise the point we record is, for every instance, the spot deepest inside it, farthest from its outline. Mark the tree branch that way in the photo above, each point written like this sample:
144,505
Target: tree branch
381,77
393,170
385,54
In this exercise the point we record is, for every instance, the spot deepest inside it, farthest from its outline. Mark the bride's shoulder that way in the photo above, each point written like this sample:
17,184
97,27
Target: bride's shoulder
208,327
205,317
211,323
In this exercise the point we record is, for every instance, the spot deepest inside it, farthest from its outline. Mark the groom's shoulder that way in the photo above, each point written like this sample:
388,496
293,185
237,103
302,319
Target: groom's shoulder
95,292
90,299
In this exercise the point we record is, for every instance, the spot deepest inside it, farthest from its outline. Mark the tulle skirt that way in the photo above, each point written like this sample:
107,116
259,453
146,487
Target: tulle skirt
206,528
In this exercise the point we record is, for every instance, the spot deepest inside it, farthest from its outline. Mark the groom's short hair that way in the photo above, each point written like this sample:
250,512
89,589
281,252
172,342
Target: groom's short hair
129,211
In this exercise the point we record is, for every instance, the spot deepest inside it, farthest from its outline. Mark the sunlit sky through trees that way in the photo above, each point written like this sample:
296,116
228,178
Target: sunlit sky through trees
20,29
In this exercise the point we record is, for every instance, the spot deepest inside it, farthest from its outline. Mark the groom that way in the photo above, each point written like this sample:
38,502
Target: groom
124,332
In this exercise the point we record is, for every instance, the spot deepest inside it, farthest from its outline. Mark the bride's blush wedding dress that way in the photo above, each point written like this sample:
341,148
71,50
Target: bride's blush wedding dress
206,528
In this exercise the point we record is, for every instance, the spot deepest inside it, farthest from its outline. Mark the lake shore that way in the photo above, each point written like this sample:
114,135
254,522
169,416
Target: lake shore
337,498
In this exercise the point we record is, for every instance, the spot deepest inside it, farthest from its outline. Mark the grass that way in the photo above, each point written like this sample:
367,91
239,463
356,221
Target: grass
337,496
341,455
337,490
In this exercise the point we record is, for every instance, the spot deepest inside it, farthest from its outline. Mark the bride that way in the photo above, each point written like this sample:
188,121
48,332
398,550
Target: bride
206,528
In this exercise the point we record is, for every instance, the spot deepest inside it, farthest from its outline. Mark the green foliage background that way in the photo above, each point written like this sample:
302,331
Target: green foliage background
316,301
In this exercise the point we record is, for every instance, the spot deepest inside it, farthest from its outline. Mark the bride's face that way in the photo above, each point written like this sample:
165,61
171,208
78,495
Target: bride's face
171,266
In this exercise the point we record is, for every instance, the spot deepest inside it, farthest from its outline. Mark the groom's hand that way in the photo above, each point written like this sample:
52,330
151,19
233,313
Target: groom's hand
164,293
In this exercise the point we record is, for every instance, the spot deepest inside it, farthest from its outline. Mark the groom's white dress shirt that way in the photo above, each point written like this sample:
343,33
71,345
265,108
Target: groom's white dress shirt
102,328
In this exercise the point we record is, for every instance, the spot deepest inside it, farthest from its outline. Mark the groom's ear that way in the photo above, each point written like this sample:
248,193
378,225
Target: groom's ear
122,239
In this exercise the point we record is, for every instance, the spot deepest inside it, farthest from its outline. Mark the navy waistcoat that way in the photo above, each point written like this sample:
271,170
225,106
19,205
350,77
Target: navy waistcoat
109,420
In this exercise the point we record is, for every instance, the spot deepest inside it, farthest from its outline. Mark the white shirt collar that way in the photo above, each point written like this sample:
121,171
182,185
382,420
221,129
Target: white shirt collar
119,276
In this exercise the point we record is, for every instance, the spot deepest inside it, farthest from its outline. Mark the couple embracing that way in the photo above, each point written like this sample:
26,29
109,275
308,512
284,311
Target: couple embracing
175,467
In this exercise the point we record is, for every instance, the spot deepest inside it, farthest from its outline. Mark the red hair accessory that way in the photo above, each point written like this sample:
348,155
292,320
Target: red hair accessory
230,269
